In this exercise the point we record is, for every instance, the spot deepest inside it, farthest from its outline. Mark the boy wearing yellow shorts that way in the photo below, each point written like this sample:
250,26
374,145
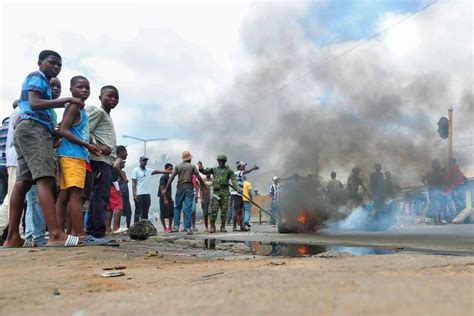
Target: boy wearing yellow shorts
73,154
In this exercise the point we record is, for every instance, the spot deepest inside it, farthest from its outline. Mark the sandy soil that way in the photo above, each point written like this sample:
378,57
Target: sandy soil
175,279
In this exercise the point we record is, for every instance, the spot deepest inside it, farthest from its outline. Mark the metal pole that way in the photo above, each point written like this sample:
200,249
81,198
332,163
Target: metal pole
258,206
450,138
144,143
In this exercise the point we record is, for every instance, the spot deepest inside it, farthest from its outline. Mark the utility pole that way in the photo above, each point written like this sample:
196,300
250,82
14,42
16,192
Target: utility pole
144,141
450,138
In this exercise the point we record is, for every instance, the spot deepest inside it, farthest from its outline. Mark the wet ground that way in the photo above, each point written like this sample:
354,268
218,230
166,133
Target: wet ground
444,239
257,273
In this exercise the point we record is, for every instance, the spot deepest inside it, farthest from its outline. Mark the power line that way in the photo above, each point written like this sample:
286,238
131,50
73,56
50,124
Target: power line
361,43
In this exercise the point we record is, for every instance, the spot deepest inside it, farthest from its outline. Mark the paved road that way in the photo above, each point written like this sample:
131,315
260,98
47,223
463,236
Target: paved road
445,239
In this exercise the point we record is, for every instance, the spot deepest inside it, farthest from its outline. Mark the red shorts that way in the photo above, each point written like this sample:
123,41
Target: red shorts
115,202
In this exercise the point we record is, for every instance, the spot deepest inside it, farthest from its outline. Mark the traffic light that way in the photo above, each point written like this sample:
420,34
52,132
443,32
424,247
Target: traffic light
443,127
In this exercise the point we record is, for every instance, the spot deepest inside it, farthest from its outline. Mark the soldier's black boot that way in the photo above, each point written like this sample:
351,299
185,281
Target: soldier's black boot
213,227
223,230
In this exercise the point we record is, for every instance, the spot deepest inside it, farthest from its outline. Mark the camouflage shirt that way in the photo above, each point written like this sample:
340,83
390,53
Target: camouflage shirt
221,177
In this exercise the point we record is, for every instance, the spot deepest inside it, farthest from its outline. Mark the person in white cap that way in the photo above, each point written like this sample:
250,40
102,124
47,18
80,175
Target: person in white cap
275,194
237,200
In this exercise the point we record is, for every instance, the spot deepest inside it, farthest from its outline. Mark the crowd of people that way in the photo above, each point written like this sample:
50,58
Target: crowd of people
445,197
446,192
51,171
56,168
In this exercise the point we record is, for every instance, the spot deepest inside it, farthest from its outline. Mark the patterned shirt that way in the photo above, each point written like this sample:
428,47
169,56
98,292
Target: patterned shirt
275,191
239,176
3,142
36,81
12,157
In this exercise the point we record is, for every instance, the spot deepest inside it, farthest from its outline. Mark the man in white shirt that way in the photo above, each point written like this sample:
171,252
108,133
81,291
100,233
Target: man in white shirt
275,194
141,188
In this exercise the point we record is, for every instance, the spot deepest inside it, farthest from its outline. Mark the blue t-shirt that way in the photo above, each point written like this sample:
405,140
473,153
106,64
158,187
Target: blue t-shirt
36,81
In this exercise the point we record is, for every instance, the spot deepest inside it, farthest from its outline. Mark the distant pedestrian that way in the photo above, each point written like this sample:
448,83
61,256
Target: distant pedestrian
389,189
166,211
116,202
184,191
237,199
127,207
141,188
206,197
247,198
354,183
195,202
435,181
377,187
456,180
334,190
275,191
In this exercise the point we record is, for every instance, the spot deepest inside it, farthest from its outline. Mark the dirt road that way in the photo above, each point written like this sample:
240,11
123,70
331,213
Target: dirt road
176,278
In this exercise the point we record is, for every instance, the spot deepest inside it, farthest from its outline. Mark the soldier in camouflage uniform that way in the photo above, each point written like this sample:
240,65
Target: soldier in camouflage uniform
220,199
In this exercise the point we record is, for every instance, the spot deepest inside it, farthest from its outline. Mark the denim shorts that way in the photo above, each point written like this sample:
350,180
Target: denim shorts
34,146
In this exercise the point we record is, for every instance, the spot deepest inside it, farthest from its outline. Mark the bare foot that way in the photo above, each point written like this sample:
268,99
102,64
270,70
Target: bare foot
14,242
59,239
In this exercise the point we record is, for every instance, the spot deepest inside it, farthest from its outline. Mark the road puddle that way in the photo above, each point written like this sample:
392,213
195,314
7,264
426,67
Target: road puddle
277,249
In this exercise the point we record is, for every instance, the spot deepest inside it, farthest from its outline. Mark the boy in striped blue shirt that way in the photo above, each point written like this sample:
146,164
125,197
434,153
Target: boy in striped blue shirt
34,146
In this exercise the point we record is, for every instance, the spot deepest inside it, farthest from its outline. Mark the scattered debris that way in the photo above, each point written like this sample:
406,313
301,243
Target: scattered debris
212,274
112,274
152,254
142,230
333,254
272,263
115,268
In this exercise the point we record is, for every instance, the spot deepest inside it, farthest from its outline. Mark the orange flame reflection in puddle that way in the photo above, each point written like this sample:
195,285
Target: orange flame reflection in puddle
302,251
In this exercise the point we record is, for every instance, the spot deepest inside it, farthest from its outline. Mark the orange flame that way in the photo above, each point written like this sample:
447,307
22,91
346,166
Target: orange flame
302,219
302,251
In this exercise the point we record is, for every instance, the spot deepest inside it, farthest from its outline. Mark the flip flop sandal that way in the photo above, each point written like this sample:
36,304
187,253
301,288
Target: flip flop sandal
29,244
26,244
71,241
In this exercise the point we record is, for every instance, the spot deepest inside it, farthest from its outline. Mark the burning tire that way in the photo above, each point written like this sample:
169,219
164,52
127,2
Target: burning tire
284,228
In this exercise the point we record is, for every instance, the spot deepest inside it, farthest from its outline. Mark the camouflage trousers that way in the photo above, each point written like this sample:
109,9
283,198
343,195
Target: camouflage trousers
220,201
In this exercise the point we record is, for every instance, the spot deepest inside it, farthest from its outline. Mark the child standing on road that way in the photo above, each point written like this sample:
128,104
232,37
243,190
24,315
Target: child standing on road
73,154
102,133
